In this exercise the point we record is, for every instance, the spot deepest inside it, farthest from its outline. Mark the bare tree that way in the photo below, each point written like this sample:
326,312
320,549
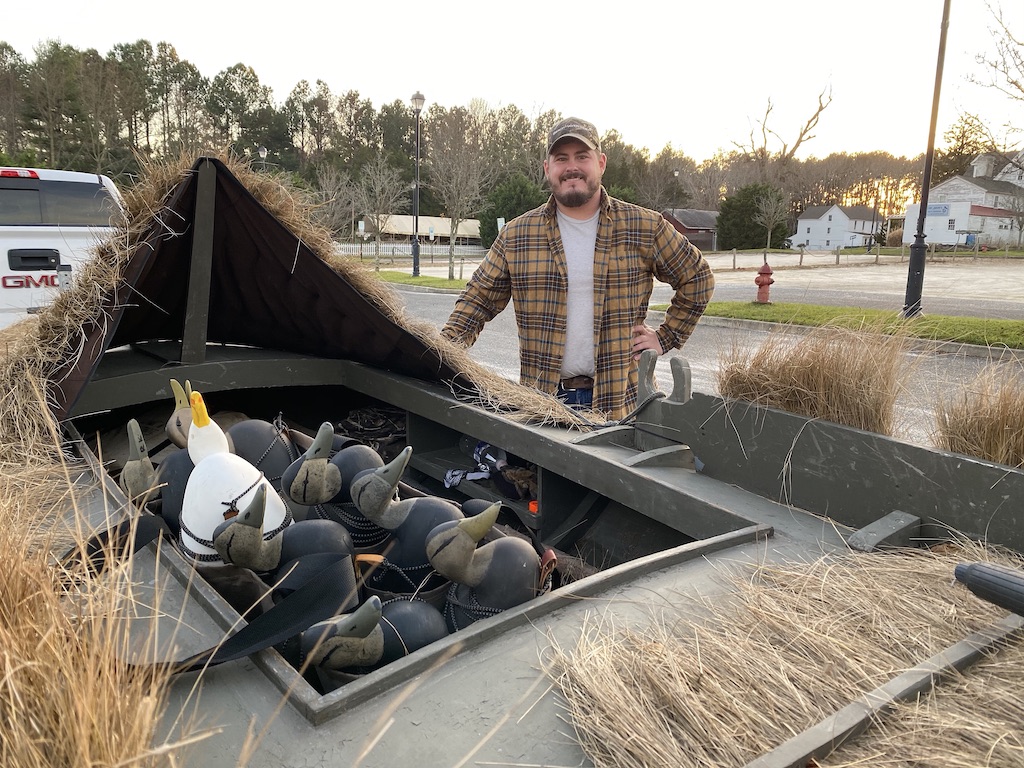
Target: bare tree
337,200
772,165
380,193
459,171
1006,66
707,185
772,209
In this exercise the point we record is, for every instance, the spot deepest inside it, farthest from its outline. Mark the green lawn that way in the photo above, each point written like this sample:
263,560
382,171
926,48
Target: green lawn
962,330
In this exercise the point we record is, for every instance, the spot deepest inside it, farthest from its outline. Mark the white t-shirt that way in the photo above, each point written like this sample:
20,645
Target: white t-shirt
578,239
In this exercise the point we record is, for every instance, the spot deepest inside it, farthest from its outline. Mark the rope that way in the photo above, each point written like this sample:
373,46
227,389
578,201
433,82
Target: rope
473,608
231,504
365,533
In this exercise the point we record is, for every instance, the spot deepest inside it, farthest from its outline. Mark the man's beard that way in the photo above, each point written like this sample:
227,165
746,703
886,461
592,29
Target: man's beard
574,198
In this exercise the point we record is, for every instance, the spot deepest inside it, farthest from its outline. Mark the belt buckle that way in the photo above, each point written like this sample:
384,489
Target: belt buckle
572,383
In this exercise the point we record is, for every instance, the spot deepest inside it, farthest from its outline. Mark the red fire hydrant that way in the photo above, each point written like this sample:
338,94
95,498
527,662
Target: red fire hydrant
763,281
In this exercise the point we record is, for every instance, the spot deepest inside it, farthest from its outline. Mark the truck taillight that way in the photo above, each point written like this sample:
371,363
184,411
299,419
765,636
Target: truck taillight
18,173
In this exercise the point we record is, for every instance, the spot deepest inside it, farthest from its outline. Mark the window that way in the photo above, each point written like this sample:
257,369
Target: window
952,225
828,231
828,243
54,203
830,217
808,230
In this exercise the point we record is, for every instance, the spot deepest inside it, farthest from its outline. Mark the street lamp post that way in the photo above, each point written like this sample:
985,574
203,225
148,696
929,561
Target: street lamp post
915,272
263,156
417,107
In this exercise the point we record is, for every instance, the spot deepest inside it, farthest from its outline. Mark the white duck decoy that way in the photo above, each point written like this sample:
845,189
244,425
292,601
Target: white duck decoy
409,520
180,420
488,579
220,485
205,436
138,477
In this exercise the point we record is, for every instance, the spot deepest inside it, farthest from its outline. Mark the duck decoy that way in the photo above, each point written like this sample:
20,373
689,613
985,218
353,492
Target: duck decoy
373,635
218,487
406,566
266,445
486,579
353,639
321,479
239,539
314,478
205,436
138,477
181,417
289,560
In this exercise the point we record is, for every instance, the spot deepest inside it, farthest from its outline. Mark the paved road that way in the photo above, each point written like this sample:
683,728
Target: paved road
960,287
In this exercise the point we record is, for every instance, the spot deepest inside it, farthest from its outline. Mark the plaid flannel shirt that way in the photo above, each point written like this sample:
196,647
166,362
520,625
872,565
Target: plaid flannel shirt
527,264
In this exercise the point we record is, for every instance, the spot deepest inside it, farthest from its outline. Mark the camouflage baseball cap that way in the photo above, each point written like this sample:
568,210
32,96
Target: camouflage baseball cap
574,128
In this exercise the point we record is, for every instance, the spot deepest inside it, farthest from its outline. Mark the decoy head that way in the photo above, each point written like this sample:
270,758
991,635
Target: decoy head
239,539
312,478
451,546
138,477
181,418
373,491
205,436
352,640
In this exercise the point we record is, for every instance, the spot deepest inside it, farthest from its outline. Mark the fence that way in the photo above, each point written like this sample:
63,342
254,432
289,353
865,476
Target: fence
389,251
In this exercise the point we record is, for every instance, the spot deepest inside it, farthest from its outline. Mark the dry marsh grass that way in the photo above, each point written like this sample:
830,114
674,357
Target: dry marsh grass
730,681
985,418
67,698
850,377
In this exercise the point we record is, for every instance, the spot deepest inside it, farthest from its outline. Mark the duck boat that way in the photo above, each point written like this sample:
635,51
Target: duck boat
219,292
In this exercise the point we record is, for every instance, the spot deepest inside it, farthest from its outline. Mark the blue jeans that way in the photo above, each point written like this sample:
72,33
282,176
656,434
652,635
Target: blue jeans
577,398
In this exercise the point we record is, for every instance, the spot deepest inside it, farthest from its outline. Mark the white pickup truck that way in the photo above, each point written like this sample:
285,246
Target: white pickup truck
49,222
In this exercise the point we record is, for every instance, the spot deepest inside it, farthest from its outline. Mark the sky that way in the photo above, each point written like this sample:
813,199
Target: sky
696,75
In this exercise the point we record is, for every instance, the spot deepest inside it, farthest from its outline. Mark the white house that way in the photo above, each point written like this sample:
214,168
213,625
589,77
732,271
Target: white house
982,208
827,227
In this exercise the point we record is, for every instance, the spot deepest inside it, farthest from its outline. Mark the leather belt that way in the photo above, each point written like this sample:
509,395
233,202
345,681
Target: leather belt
577,382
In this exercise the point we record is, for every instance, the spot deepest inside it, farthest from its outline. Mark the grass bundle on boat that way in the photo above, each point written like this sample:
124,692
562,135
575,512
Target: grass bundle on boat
721,683
846,376
985,418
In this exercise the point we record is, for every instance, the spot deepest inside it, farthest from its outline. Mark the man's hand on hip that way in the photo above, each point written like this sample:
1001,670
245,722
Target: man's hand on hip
645,338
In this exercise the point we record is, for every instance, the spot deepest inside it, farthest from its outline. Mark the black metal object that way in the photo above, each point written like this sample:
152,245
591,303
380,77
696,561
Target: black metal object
997,584
33,259
915,272
418,107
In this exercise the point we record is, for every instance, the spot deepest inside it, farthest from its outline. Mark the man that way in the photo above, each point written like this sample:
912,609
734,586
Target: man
580,271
